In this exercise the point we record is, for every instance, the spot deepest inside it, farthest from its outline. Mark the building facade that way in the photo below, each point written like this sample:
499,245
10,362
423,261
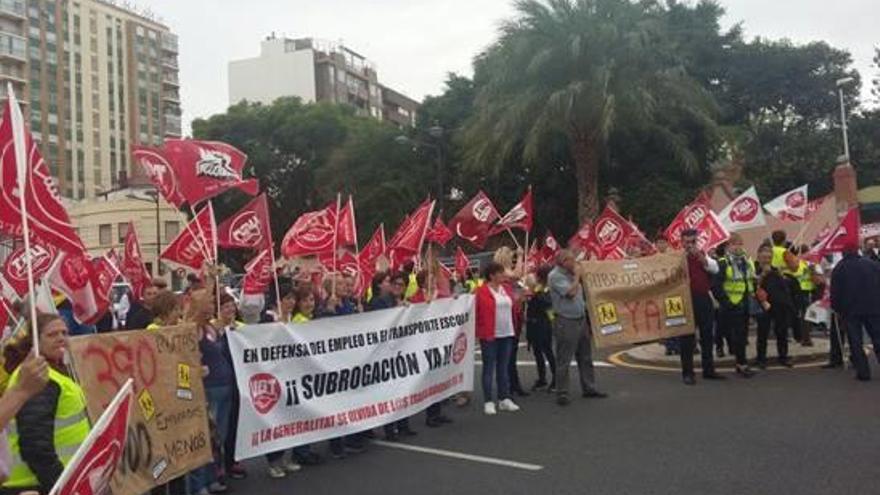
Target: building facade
317,71
94,78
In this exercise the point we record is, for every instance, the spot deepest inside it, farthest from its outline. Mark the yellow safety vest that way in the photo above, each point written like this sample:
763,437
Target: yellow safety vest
71,430
412,286
473,284
804,277
735,287
778,260
300,318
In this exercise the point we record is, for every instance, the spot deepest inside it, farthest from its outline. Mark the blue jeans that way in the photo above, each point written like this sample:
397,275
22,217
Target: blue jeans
496,360
220,407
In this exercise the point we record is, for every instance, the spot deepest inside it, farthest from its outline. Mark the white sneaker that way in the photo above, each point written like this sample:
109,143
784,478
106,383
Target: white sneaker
276,472
508,405
292,466
489,409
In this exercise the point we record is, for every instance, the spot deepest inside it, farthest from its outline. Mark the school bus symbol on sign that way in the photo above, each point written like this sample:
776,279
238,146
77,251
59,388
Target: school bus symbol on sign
608,321
675,311
148,407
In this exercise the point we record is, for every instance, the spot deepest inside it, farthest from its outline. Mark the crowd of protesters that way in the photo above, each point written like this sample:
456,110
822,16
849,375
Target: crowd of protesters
46,407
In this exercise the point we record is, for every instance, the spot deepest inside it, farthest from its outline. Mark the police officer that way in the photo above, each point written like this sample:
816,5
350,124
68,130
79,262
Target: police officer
736,289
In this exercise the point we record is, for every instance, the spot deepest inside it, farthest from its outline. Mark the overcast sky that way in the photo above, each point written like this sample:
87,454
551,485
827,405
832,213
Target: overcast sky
414,43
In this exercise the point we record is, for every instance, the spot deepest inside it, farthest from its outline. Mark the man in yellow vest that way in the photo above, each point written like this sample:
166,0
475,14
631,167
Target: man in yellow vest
807,276
786,263
737,288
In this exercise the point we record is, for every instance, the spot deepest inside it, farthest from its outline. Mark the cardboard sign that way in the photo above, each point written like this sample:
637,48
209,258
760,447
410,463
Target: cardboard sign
168,432
638,300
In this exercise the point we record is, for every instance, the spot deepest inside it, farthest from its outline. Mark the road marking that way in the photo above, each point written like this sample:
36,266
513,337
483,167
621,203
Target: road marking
617,360
460,455
598,364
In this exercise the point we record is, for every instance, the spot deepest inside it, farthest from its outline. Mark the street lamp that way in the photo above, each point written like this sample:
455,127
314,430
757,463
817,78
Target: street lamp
436,133
840,84
154,198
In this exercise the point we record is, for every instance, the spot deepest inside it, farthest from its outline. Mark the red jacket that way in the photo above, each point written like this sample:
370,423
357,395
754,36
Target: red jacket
485,323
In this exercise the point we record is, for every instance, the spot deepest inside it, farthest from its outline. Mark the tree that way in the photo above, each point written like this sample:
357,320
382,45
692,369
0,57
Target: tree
582,70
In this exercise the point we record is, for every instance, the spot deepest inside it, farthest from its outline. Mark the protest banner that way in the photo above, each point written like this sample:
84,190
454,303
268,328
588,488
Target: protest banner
168,432
638,300
303,383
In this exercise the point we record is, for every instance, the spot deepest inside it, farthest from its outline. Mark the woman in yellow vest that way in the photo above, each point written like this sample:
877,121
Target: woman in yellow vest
50,427
166,311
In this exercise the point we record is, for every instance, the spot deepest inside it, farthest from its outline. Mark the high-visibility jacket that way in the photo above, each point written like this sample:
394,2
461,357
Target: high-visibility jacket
300,318
804,276
412,286
778,260
473,284
71,430
737,284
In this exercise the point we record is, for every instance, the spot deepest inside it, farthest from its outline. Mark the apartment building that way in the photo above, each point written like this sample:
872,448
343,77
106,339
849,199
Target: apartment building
316,71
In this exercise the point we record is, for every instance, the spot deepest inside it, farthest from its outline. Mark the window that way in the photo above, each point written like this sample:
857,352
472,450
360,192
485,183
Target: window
171,230
105,234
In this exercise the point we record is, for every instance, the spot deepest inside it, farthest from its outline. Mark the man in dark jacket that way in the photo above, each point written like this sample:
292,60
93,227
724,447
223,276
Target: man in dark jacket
855,292
140,315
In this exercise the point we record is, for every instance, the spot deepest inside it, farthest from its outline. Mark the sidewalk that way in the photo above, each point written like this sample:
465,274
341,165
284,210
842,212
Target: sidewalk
653,356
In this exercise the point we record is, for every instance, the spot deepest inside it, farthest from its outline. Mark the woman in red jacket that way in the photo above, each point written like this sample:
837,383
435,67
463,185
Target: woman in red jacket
496,329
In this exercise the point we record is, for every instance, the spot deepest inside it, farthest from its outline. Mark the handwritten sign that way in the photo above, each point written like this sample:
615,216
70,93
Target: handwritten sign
639,300
168,432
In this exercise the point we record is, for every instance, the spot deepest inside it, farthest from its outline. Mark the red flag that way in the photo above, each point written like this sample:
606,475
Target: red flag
105,273
160,172
346,235
133,267
258,274
549,249
92,467
462,263
346,264
844,238
582,240
610,232
47,218
520,216
697,215
373,249
440,233
248,228
207,168
75,276
195,244
533,258
474,221
411,235
311,234
15,267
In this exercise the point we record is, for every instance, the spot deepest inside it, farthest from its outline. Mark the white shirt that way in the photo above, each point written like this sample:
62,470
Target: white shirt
711,266
503,313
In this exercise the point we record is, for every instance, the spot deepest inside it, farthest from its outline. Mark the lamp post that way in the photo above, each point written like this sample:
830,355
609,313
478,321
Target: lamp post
436,134
840,84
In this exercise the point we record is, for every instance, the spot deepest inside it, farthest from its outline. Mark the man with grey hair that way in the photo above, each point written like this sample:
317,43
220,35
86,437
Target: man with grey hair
571,328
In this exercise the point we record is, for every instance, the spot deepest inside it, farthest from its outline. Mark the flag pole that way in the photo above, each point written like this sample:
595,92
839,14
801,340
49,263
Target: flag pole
21,168
357,249
335,243
216,256
272,254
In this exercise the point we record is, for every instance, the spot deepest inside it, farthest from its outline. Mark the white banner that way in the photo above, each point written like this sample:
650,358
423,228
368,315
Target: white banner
303,383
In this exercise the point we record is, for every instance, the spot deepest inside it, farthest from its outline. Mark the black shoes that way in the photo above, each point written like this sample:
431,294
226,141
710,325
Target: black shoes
744,372
713,376
594,394
689,380
562,400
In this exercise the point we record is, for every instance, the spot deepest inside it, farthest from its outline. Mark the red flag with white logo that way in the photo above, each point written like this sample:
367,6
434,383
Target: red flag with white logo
520,216
75,276
462,263
347,264
610,232
843,238
744,212
194,245
92,466
105,273
133,268
410,237
248,228
582,240
789,206
533,258
374,248
311,234
160,172
474,221
347,228
207,168
47,219
15,267
440,233
258,274
697,215
549,248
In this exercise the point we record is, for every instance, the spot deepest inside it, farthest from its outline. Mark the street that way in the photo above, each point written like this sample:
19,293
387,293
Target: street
802,431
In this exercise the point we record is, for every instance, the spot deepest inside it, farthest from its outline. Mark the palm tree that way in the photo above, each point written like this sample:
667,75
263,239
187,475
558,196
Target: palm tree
581,70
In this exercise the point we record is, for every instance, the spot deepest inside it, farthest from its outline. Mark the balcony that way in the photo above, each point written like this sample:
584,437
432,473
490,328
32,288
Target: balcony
170,62
170,79
12,46
172,96
169,42
172,124
14,9
13,73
